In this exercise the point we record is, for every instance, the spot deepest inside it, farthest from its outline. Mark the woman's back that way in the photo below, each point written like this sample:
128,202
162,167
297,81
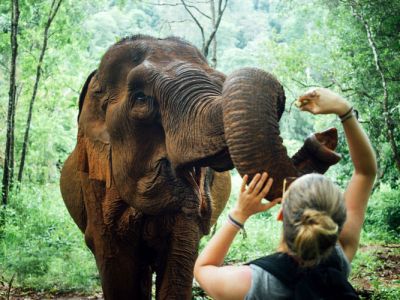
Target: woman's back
265,285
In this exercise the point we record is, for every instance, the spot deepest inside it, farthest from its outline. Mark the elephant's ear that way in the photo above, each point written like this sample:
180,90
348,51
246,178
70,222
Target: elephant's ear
94,158
84,91
94,151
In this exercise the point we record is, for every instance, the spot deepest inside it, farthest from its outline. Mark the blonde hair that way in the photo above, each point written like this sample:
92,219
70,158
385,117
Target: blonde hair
313,216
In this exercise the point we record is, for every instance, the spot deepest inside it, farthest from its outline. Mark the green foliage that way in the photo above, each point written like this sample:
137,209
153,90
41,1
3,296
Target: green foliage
383,216
263,231
41,244
386,293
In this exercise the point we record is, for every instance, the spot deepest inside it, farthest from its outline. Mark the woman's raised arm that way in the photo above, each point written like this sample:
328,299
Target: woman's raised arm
324,101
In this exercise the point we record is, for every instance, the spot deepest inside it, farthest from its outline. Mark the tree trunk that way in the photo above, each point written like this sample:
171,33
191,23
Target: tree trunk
214,42
9,151
385,105
53,11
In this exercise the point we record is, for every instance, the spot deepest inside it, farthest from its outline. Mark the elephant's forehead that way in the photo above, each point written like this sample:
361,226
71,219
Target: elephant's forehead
121,58
166,51
118,60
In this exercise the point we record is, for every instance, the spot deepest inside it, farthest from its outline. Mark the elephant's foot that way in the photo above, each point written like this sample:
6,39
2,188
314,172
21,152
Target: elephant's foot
124,277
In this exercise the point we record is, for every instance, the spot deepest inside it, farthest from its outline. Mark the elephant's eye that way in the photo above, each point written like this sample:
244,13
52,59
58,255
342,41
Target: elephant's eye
139,97
104,105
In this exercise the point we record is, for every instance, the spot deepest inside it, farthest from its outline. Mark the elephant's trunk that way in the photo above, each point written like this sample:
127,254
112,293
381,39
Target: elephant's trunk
192,116
252,105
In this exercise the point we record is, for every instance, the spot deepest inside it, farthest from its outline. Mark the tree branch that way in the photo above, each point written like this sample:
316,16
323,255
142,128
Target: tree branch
179,4
305,85
215,29
345,90
172,22
196,21
54,11
197,2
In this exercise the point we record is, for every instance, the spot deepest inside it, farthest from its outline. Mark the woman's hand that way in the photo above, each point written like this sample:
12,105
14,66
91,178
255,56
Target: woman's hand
323,101
250,198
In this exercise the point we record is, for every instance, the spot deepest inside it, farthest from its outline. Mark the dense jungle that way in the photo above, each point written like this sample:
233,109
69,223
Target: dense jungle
49,47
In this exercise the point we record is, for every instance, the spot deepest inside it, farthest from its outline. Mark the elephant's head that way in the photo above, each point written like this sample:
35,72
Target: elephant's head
154,114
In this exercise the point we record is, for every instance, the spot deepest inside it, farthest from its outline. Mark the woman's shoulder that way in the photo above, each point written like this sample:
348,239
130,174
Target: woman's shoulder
264,285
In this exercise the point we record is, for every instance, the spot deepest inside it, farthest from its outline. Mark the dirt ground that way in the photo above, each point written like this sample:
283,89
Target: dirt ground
20,294
387,273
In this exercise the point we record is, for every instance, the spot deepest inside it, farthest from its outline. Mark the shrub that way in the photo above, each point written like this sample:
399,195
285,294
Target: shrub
42,246
383,216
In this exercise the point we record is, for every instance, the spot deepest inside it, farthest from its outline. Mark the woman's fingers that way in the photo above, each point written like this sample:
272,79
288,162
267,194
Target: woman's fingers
266,188
269,205
250,199
244,181
253,183
260,183
302,101
310,107
306,102
310,95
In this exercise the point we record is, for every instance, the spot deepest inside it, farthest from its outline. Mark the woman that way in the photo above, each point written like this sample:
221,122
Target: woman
314,215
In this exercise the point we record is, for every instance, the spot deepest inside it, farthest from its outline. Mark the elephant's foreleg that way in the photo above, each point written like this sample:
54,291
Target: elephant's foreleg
124,275
123,272
175,276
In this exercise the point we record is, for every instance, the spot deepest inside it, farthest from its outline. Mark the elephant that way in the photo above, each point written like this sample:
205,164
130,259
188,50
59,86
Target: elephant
158,132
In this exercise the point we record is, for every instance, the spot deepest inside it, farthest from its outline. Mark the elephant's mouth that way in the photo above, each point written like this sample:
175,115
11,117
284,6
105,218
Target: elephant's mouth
194,176
198,179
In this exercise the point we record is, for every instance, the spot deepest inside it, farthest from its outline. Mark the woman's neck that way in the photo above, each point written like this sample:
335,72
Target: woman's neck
283,247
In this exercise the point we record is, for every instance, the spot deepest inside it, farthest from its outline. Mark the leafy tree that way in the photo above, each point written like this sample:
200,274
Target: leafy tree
373,53
55,5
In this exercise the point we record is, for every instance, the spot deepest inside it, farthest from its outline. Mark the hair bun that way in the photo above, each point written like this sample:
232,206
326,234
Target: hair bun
311,217
316,236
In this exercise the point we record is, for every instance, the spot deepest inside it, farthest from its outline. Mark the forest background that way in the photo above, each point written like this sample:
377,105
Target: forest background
351,46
